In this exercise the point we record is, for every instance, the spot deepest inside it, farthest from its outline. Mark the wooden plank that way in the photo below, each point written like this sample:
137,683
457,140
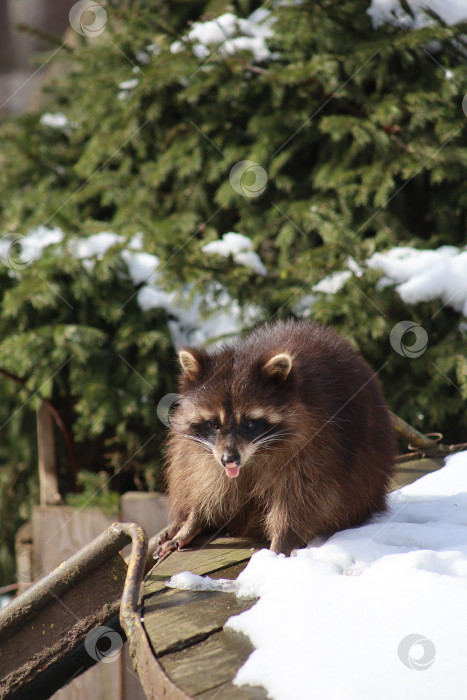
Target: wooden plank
101,682
408,472
132,688
177,618
185,628
24,554
213,556
58,532
150,510
206,669
48,481
228,691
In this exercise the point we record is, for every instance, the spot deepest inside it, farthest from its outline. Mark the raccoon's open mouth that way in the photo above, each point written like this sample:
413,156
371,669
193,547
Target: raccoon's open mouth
232,469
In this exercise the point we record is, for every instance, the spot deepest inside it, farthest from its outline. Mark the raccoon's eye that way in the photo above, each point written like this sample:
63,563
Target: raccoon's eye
250,424
253,426
214,424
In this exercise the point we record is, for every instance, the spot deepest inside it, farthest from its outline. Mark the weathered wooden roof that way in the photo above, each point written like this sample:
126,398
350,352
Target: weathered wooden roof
185,628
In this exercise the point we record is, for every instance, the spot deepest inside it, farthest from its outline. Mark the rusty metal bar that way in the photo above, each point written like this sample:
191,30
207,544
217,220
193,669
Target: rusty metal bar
156,684
422,445
108,543
130,606
412,435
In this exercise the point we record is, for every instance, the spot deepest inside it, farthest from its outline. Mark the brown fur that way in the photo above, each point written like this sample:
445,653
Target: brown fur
328,463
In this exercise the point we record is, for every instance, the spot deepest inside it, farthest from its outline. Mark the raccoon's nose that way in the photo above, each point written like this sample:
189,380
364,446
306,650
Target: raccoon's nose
230,457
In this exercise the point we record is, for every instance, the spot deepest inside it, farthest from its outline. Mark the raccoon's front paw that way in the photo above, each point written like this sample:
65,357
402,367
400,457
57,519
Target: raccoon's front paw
171,540
166,541
170,546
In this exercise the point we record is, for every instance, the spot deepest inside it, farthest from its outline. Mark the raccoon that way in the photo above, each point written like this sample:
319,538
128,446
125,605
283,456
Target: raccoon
282,436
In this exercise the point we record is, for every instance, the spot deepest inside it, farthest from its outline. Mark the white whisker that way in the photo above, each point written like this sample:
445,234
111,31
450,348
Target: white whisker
267,434
272,438
204,443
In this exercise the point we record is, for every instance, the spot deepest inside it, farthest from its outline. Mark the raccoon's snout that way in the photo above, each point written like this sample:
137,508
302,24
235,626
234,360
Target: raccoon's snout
230,458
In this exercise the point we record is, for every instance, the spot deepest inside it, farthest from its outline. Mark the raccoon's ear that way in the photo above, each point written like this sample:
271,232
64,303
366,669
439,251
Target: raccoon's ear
190,363
279,366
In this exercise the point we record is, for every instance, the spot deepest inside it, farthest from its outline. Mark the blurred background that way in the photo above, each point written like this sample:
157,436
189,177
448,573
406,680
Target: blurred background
19,77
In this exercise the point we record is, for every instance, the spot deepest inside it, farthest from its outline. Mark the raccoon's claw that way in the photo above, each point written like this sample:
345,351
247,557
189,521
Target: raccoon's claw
163,538
166,547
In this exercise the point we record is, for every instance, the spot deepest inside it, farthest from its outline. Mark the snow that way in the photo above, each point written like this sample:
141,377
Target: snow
194,319
55,120
153,48
230,244
240,247
94,246
186,581
423,275
129,84
193,327
32,244
141,266
228,33
142,57
150,297
304,306
418,276
373,612
214,31
231,34
199,319
333,283
450,11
